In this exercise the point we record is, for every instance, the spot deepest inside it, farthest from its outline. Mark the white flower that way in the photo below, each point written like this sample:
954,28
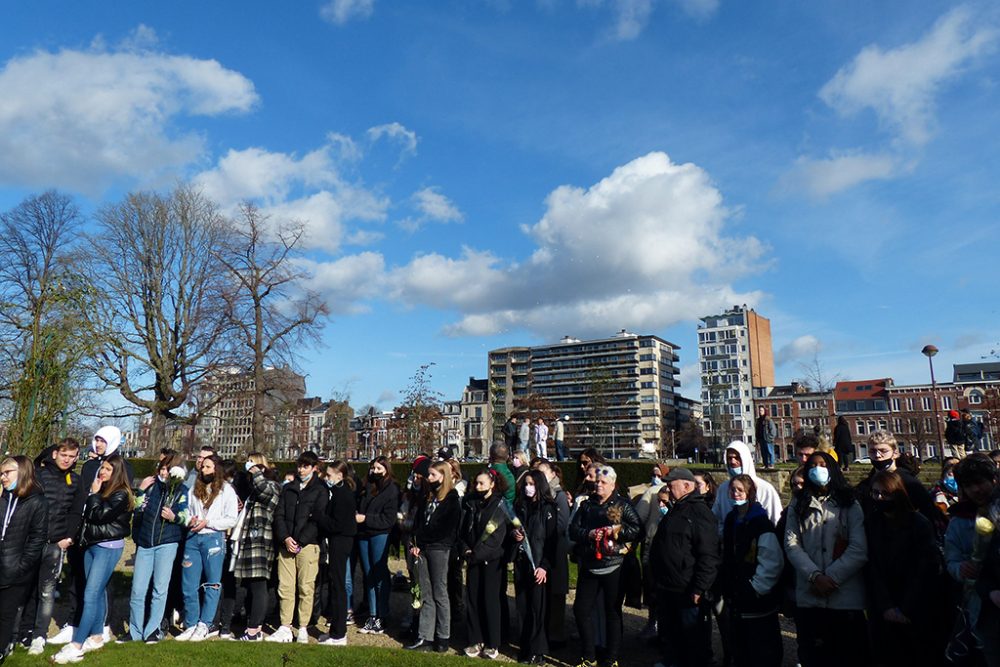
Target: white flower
178,473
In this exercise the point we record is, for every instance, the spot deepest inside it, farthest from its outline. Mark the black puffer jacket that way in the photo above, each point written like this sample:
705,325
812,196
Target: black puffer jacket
24,538
539,522
592,515
379,510
64,495
684,556
106,519
298,511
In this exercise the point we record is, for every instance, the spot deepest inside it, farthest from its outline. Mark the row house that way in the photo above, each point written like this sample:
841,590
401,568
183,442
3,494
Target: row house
795,407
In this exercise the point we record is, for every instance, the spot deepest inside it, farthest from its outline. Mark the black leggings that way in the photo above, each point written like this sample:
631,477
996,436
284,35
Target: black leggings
340,551
257,589
483,602
531,601
14,597
587,588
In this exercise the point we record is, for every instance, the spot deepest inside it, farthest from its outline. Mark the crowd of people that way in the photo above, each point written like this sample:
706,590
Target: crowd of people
886,572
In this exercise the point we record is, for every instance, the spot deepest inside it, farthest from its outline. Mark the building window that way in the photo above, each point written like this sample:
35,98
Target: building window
786,410
909,405
895,404
975,398
861,427
897,425
946,402
925,403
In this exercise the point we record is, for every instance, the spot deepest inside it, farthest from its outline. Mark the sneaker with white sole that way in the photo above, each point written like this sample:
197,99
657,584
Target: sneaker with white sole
303,636
282,635
473,651
227,636
200,633
90,644
64,636
106,635
187,634
67,654
327,640
491,653
37,646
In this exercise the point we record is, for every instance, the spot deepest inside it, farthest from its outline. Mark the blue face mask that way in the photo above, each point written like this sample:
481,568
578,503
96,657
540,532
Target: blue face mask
951,484
329,483
656,481
733,472
819,476
740,503
13,485
663,511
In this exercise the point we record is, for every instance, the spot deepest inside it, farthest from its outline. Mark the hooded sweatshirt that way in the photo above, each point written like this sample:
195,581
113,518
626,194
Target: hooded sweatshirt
113,436
767,495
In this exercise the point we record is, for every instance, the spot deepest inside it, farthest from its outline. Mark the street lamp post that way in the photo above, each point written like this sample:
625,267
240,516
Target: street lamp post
929,351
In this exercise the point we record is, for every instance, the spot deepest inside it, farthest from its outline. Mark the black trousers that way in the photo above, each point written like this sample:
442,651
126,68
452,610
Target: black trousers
685,630
336,612
531,599
832,637
13,599
482,606
756,641
41,596
587,588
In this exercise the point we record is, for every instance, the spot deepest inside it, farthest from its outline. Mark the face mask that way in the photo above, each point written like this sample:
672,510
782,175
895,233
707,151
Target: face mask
529,491
663,511
656,481
374,476
819,476
306,478
882,465
329,483
434,485
733,472
740,503
248,465
517,463
885,506
951,484
13,485
207,479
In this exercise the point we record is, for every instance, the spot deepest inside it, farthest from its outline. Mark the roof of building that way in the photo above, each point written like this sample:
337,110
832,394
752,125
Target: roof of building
855,389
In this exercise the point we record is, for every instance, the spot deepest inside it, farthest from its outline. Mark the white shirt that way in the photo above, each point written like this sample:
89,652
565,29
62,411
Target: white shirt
222,514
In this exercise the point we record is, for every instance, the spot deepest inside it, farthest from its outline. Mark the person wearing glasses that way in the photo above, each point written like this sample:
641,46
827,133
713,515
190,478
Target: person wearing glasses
24,513
826,544
602,530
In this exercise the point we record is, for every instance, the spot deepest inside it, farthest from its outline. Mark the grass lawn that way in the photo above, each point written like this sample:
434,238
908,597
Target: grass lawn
234,654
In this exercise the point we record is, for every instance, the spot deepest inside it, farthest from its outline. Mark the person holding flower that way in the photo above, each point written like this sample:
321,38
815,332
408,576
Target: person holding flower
484,530
107,516
157,530
213,509
536,535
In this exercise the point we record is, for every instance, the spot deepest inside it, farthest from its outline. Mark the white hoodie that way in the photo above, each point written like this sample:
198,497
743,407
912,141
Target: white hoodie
111,435
767,495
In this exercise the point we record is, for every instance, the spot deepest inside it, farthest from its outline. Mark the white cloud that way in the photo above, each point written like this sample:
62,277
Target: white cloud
309,189
803,347
699,9
821,178
348,282
643,249
340,12
900,84
396,132
632,16
83,119
431,206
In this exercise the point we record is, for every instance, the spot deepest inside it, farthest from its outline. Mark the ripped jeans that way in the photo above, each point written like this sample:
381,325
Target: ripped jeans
204,552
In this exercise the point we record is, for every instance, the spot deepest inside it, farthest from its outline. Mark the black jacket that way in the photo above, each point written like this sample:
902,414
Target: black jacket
740,537
379,510
684,555
920,497
591,515
24,539
299,510
106,519
539,522
339,523
842,441
436,527
485,545
65,496
88,473
903,566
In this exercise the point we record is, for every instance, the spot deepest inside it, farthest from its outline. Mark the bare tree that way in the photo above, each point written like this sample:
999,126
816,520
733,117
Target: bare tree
412,428
267,304
40,295
158,313
815,377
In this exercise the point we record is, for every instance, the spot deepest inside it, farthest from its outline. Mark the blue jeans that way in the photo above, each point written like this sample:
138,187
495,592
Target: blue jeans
156,563
767,453
203,552
349,582
98,564
375,564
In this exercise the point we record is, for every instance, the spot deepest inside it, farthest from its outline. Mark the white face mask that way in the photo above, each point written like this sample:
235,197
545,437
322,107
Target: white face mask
529,491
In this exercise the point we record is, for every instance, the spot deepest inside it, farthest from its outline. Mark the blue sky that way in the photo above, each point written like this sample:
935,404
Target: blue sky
483,173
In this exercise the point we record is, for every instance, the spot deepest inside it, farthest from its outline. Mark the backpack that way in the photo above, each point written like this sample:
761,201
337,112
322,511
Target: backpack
954,433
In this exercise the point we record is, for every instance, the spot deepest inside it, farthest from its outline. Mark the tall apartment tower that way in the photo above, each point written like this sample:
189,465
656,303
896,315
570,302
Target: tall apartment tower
736,357
618,392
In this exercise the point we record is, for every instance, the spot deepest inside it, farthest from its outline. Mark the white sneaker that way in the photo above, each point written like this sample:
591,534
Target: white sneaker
327,640
90,644
106,635
200,633
64,636
187,634
37,646
68,654
303,636
282,635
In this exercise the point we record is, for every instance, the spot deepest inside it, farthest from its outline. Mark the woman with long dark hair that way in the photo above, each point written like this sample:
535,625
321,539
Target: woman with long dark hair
375,516
435,530
213,509
340,526
483,533
537,539
826,544
106,519
22,538
253,556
